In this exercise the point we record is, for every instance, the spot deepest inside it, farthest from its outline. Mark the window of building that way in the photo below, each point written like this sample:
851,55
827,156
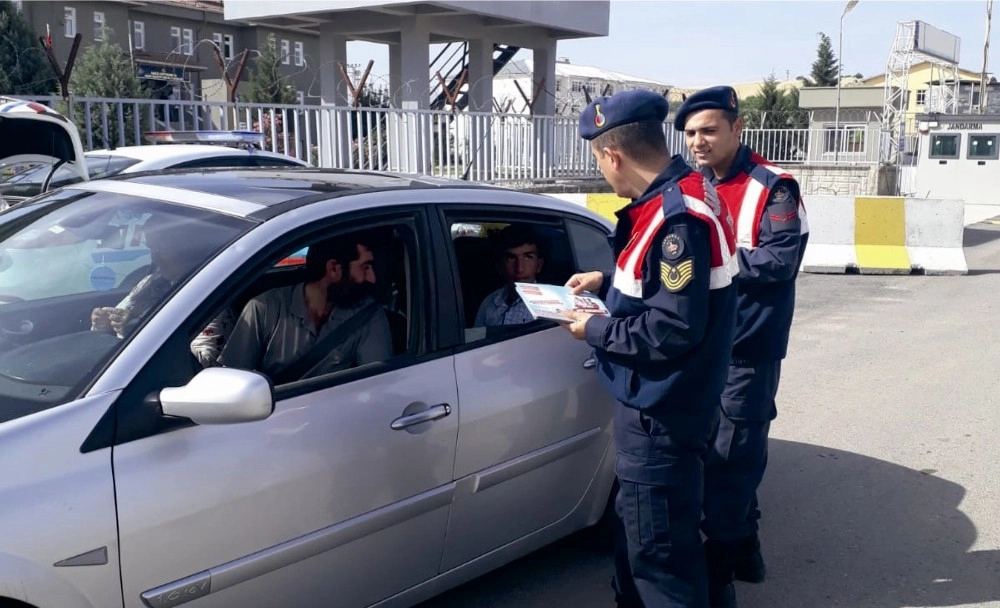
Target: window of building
848,139
98,25
300,57
69,21
982,147
138,35
944,146
300,97
576,86
922,98
228,46
217,39
187,39
175,40
286,52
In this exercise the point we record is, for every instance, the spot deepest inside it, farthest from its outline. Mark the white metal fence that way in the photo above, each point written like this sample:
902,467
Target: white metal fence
482,146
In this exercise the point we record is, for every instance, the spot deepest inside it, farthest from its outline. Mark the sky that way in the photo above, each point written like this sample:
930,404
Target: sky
688,44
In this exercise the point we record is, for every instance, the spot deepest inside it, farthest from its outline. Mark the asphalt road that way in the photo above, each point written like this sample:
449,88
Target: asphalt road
883,489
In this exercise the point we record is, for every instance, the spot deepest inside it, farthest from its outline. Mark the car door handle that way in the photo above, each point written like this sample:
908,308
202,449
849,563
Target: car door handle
432,413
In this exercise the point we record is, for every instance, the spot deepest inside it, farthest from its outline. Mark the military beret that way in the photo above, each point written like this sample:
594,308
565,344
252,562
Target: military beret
713,98
622,108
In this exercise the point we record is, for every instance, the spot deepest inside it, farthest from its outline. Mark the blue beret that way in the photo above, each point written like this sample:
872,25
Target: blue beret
713,98
605,113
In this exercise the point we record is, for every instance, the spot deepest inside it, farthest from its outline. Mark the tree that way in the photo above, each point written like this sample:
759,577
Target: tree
23,67
825,68
267,85
105,70
773,108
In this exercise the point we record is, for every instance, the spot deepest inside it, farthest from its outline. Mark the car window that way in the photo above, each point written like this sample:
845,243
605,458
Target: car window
493,252
272,332
242,160
29,182
79,277
271,161
592,248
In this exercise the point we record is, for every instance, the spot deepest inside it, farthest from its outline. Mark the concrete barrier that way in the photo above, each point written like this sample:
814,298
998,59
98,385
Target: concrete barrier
866,235
885,235
831,235
935,234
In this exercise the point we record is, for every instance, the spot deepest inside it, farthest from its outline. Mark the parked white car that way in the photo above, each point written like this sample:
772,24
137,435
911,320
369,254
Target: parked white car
179,154
132,477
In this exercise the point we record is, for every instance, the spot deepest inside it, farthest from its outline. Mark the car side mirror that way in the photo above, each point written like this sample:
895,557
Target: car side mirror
220,395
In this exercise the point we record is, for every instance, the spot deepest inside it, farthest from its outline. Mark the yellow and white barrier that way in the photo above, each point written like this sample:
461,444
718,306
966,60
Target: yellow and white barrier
864,234
885,235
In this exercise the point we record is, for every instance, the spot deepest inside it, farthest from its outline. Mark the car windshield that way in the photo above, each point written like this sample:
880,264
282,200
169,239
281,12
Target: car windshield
28,183
80,272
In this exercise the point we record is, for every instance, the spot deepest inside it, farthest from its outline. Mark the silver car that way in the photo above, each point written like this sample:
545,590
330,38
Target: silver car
131,474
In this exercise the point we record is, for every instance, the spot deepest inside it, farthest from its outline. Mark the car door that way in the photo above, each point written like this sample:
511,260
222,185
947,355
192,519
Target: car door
340,498
535,424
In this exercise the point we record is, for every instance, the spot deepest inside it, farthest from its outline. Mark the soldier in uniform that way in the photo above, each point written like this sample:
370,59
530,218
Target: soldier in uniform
771,233
664,351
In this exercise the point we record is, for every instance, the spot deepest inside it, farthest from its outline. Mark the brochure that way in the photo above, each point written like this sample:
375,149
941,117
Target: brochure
543,301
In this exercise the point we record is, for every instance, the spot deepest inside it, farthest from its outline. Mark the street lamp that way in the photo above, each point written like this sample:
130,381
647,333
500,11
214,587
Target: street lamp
840,66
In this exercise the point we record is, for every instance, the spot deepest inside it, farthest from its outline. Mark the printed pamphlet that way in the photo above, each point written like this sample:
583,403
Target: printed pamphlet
543,301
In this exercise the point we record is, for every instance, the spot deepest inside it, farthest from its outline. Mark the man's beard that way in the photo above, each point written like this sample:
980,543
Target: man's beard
348,293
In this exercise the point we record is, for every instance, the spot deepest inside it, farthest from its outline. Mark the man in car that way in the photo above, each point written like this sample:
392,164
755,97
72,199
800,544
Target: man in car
664,350
328,323
772,233
170,264
520,258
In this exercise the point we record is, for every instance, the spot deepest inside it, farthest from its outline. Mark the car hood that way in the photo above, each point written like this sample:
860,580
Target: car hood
33,133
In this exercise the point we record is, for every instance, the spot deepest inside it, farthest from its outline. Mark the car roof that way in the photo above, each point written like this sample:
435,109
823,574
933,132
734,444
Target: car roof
180,152
266,192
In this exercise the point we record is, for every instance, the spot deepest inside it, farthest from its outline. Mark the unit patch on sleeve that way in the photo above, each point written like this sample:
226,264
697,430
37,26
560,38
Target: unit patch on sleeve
676,277
673,247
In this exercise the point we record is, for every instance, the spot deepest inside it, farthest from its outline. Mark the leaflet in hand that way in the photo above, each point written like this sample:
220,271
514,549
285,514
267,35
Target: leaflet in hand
543,301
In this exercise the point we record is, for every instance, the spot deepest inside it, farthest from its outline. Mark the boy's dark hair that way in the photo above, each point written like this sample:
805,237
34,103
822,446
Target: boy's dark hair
636,139
343,249
516,235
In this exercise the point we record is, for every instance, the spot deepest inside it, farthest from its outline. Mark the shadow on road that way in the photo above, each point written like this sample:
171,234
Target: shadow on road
980,234
839,529
842,529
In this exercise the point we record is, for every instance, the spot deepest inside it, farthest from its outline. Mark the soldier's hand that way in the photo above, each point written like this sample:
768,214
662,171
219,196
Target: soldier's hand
586,281
578,326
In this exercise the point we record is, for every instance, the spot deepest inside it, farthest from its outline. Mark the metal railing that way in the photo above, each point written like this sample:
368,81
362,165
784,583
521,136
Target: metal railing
488,147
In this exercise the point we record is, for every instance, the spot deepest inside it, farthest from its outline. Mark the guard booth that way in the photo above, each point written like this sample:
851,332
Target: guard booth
959,158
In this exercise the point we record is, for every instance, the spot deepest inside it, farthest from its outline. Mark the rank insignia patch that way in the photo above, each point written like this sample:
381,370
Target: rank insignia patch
781,194
675,277
673,247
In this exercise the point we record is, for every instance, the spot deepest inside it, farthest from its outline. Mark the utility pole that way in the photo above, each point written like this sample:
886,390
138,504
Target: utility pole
986,56
840,66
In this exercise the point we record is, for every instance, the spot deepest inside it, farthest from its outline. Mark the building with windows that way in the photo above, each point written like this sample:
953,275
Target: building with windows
172,41
514,88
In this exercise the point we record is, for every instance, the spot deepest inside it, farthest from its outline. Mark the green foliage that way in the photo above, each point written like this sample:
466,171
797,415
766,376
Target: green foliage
772,108
105,70
825,68
24,70
267,85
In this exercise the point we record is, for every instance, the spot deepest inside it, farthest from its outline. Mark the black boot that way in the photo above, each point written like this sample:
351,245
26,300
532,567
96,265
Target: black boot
719,561
723,596
748,563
